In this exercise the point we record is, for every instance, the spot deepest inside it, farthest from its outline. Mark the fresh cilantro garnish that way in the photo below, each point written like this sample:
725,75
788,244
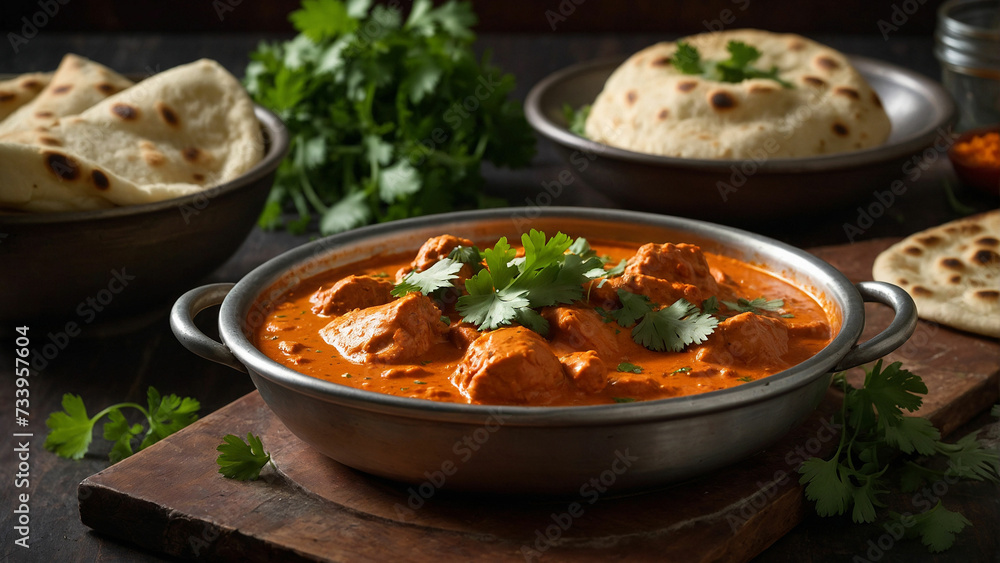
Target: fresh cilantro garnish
734,69
755,306
242,460
877,441
71,430
576,119
623,399
745,379
509,290
669,328
438,276
629,368
680,370
374,108
686,59
469,255
710,306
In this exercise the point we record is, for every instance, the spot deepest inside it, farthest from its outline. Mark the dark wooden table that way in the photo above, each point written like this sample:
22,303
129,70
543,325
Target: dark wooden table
113,362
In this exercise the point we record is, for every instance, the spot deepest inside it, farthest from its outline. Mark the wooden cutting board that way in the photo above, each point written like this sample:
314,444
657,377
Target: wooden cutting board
169,498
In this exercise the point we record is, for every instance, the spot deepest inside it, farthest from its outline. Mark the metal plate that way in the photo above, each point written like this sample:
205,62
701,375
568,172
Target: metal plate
732,190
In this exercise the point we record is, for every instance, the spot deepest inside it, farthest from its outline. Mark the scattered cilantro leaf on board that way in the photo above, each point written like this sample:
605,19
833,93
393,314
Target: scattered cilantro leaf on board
755,306
878,442
71,430
438,276
242,460
387,118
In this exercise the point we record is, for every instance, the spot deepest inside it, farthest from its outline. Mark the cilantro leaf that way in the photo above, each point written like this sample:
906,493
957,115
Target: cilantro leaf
118,430
710,306
71,430
576,120
755,306
936,527
826,486
242,460
673,328
634,307
320,19
438,276
686,59
629,368
485,306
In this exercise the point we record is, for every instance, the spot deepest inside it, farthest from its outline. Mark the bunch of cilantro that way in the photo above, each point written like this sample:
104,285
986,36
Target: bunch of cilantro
388,118
879,444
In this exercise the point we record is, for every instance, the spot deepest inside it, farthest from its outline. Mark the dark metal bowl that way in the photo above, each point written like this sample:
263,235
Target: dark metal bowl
93,266
745,191
538,449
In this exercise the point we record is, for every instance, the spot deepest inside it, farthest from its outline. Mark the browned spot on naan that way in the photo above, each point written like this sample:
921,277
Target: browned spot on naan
100,179
722,100
64,167
125,111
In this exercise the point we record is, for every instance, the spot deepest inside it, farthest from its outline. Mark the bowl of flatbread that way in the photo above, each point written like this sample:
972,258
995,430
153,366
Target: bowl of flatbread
740,126
116,194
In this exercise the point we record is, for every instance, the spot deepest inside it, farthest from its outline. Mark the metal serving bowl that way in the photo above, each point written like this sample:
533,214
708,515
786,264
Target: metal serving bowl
538,449
99,265
745,191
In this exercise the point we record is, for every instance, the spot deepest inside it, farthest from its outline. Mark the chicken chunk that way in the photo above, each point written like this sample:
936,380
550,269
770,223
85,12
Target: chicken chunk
431,251
399,331
747,339
681,263
510,366
462,334
352,292
579,329
586,369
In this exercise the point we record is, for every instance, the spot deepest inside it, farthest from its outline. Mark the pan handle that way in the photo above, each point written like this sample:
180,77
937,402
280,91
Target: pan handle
191,337
894,335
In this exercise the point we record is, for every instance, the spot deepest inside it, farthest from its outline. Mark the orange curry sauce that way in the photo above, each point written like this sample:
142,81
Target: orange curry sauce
744,347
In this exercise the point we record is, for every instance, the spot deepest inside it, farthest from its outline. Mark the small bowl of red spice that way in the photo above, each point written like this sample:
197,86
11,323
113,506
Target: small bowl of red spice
975,156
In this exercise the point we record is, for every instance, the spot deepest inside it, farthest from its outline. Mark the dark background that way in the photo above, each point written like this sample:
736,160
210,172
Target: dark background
683,16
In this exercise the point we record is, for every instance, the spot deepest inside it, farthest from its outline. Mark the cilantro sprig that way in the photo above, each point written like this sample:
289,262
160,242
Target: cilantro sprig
71,430
756,305
388,117
509,290
736,68
241,460
877,441
663,328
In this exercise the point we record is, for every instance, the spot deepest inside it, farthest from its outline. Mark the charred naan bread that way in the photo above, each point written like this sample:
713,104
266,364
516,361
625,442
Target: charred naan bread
649,106
173,134
77,84
952,272
16,92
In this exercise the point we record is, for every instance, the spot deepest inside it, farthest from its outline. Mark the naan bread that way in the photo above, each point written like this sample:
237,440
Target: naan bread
173,134
77,84
649,106
16,92
952,272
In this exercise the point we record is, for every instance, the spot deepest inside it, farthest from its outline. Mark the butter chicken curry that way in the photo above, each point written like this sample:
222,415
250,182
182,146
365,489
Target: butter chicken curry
552,322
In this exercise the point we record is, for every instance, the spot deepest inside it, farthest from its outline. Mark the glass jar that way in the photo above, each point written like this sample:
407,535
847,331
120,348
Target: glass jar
967,43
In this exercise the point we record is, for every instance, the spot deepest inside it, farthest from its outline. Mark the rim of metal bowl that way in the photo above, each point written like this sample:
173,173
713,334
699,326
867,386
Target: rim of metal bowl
276,141
868,67
237,304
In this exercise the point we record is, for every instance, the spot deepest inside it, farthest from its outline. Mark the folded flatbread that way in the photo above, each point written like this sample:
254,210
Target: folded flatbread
952,271
18,91
172,134
76,85
649,106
